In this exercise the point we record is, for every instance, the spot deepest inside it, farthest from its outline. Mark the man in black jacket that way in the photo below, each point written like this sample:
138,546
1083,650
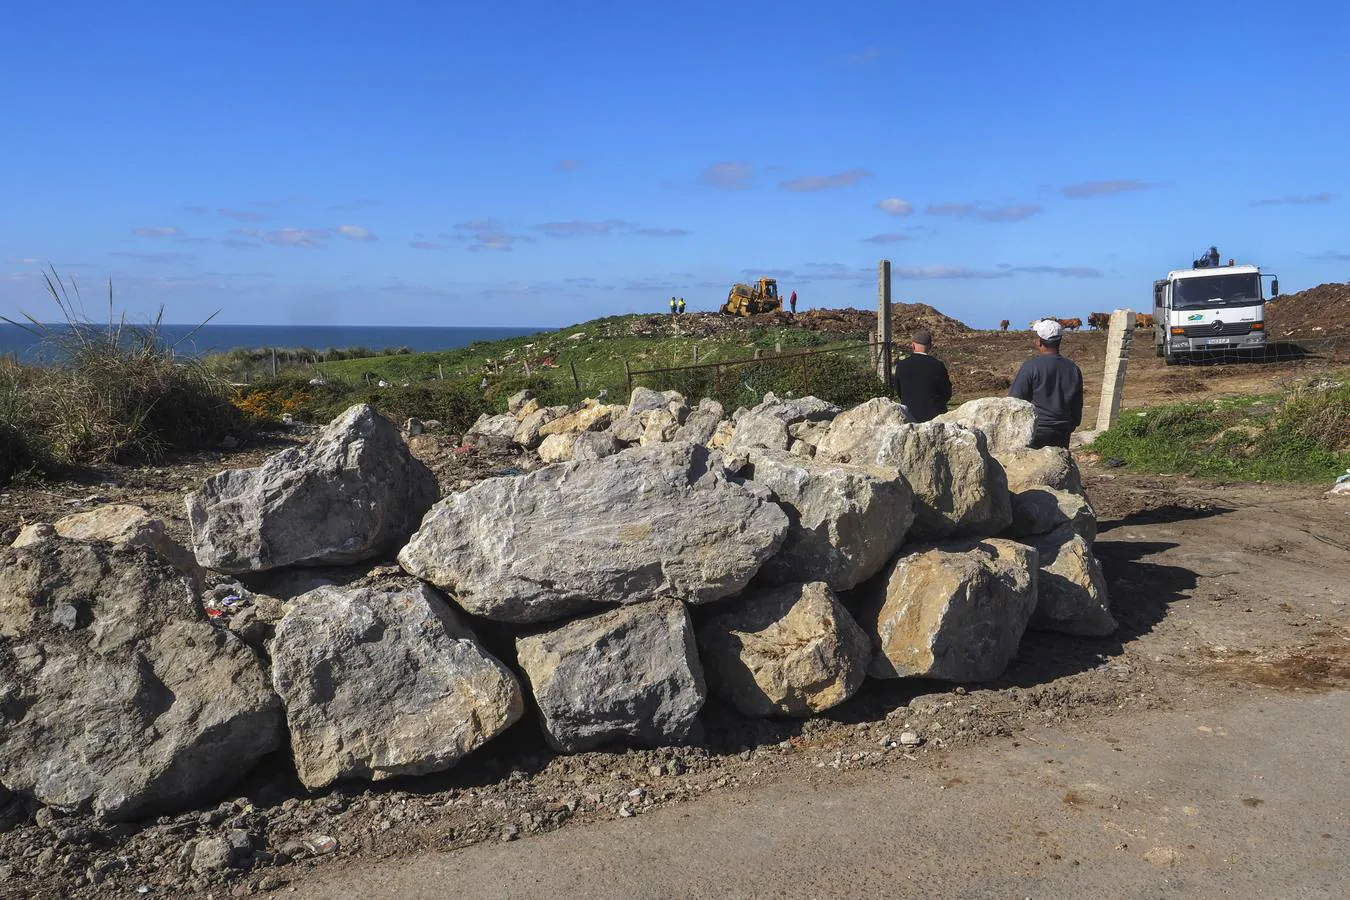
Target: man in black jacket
1054,385
922,380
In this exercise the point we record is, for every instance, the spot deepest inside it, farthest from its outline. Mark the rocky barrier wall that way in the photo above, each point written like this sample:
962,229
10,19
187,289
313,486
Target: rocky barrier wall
777,557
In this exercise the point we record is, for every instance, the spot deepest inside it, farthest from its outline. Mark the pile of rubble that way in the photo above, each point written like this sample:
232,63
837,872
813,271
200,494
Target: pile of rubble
776,557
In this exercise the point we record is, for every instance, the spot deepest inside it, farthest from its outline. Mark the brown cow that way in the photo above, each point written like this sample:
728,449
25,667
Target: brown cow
1143,320
1070,324
1003,326
1099,320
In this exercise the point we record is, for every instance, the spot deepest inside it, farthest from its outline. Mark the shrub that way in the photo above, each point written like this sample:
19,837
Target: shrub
117,393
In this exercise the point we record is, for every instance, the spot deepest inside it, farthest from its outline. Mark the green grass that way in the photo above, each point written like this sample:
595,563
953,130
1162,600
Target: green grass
1303,435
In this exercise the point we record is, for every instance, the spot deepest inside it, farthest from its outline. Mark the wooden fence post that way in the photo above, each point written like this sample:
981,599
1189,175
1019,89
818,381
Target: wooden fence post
576,382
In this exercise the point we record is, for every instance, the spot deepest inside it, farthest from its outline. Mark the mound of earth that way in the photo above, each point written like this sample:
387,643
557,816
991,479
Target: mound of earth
906,318
1317,312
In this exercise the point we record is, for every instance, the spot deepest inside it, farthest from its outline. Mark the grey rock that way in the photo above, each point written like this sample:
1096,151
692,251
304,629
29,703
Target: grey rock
1043,510
855,435
354,494
1051,467
413,427
954,612
847,522
702,423
146,708
787,651
527,433
381,683
502,426
211,855
766,425
1071,589
631,675
518,400
121,525
627,429
645,400
593,445
959,490
1008,423
648,522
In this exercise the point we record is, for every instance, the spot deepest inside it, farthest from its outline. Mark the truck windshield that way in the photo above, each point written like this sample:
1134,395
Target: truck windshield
1216,290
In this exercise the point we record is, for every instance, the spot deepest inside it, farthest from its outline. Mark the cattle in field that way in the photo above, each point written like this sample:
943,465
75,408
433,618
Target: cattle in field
1070,324
1099,320
1143,320
1003,326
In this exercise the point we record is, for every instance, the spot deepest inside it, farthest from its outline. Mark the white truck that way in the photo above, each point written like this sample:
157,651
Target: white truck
1210,308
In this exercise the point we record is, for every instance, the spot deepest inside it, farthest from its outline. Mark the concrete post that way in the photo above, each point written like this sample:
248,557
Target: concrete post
1118,341
884,319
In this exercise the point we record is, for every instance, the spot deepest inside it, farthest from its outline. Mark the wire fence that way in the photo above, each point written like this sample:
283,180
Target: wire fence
842,374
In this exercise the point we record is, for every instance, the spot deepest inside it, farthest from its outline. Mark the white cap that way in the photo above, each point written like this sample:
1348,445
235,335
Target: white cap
1048,330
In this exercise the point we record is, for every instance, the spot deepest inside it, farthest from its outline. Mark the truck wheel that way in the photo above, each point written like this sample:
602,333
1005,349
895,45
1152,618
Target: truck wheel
1170,359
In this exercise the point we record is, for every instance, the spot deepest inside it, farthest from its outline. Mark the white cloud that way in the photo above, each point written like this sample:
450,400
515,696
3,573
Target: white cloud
355,232
728,175
24,261
1106,188
568,165
865,56
894,206
487,234
302,238
814,183
985,212
890,238
158,231
1297,200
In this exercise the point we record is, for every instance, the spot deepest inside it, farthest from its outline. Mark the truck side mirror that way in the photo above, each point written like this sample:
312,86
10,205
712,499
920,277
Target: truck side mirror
1275,287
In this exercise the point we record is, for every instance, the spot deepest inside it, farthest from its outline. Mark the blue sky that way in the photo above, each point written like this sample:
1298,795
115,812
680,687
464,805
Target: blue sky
525,163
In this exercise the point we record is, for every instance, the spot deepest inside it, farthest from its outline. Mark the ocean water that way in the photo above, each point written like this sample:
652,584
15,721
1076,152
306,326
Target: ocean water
207,339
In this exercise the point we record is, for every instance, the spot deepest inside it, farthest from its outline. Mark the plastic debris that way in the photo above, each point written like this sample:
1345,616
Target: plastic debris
321,844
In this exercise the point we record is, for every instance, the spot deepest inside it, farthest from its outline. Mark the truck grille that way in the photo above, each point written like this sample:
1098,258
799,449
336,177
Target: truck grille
1218,329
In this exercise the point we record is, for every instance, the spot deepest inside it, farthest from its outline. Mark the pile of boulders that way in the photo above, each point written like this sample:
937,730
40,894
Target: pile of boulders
775,557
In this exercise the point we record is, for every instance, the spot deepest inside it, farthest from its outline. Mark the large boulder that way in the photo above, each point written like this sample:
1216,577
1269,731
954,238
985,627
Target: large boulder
954,612
644,400
1071,589
656,521
591,417
1051,467
702,422
847,521
557,448
381,683
959,490
855,434
631,675
592,445
121,525
661,427
518,401
766,425
1008,423
787,651
527,433
117,696
354,494
1043,510
500,427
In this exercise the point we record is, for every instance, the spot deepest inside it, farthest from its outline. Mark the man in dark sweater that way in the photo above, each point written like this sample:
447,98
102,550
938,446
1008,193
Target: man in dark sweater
1054,385
922,380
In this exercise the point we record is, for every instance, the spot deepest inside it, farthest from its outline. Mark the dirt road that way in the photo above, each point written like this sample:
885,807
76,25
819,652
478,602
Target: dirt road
1243,801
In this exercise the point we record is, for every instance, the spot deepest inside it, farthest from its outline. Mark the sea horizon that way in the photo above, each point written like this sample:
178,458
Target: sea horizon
204,340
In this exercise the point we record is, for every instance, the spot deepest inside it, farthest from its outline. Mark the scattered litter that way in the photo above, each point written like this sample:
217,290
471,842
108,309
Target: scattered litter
508,472
321,844
1114,462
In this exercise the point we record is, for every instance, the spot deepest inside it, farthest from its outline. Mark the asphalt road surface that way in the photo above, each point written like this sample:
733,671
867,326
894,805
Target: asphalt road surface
1250,799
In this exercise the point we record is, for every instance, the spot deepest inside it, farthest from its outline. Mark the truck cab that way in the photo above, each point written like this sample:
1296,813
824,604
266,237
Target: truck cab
1209,309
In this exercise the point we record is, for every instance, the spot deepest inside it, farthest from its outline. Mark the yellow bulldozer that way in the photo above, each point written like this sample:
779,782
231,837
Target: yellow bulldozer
753,299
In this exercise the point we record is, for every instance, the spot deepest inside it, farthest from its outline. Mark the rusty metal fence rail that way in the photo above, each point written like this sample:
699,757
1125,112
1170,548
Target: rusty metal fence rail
797,361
